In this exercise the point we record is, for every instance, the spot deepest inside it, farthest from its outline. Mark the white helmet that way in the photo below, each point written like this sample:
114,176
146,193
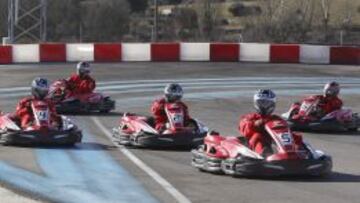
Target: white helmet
173,92
83,68
40,88
331,89
264,101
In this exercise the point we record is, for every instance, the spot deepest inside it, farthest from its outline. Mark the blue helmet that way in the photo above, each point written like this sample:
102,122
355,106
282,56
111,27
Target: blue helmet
39,88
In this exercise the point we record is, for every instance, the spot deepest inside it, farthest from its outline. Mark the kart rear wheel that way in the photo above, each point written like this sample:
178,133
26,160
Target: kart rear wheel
105,111
5,140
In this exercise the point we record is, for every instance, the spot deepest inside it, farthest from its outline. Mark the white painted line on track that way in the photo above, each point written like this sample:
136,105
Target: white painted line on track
11,197
153,174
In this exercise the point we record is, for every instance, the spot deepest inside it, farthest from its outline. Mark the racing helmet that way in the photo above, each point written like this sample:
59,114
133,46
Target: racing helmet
264,101
83,68
173,92
39,88
331,89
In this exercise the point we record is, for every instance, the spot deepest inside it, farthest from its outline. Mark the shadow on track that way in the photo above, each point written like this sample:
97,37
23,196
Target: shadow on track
85,146
335,177
110,114
164,149
346,133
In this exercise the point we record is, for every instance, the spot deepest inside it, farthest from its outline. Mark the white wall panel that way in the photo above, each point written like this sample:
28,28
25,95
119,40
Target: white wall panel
26,53
254,52
195,52
136,52
314,54
79,52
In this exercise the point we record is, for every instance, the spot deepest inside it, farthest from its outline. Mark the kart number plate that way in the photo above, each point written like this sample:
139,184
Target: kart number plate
305,106
286,139
42,115
178,118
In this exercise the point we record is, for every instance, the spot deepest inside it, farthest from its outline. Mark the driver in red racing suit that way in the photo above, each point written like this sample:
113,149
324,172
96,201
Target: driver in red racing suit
39,91
173,93
252,125
327,103
81,82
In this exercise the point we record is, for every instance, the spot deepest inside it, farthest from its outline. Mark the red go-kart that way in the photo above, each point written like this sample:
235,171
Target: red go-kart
139,131
310,118
81,103
42,130
231,155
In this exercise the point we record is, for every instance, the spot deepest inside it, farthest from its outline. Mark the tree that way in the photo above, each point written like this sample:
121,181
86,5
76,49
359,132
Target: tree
64,20
325,11
282,21
186,23
138,5
208,18
106,20
3,18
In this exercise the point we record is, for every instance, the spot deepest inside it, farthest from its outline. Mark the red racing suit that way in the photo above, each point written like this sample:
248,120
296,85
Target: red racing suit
158,110
326,105
25,115
80,85
256,134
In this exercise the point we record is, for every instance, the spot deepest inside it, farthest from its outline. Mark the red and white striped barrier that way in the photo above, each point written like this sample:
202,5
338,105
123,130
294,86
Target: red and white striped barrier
217,52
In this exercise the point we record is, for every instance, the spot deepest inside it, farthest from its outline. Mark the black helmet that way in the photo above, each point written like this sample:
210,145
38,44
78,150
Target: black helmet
39,88
173,92
264,101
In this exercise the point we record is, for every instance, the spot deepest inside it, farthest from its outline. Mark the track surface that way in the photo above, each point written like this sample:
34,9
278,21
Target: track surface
217,94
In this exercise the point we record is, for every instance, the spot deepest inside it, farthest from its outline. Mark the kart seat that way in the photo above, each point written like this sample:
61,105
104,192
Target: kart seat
243,140
151,121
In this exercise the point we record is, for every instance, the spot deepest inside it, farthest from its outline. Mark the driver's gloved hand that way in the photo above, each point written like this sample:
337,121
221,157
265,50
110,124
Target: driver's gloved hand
266,151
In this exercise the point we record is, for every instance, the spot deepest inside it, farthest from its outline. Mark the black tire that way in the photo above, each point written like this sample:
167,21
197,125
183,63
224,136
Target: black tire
353,129
5,140
105,111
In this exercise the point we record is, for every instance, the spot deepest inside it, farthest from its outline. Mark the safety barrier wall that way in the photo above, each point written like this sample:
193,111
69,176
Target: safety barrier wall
314,54
216,52
194,52
106,52
26,53
254,52
344,55
165,52
284,53
52,52
6,55
136,52
79,52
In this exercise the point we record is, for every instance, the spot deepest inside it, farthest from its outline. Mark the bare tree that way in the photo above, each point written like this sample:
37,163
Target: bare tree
106,20
282,21
208,20
3,18
325,13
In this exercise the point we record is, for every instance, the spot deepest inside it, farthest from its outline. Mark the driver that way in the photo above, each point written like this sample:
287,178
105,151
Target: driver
328,102
39,91
173,93
252,125
81,82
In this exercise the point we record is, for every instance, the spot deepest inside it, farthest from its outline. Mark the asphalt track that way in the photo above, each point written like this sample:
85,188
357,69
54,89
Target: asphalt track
217,93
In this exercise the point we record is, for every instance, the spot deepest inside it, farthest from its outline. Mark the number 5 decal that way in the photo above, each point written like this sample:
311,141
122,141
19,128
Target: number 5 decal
286,139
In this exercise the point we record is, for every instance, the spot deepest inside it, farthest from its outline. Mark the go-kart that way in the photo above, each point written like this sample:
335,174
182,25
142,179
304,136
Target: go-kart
67,103
41,131
310,118
232,156
139,131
